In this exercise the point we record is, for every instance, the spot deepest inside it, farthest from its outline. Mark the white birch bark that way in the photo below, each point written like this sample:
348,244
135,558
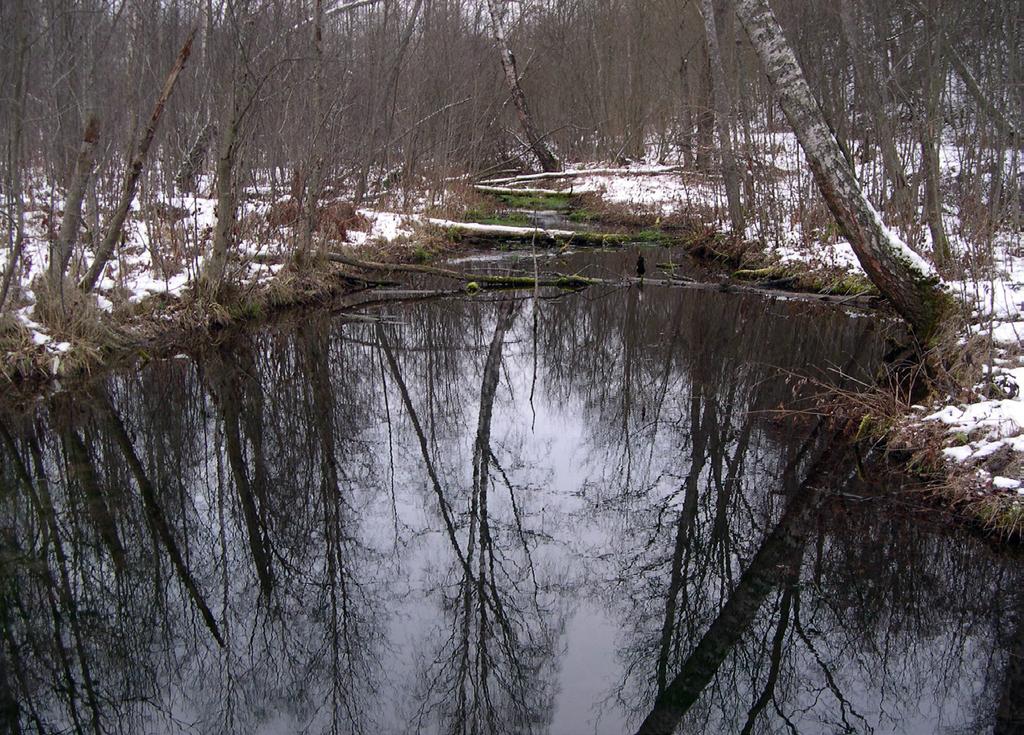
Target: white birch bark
900,274
548,160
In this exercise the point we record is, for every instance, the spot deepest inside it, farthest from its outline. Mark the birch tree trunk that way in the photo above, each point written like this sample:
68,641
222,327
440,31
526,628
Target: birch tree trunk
723,117
899,274
548,160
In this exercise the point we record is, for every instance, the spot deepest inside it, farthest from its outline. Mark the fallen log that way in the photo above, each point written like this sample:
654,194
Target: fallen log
863,300
649,171
484,189
538,235
488,280
483,280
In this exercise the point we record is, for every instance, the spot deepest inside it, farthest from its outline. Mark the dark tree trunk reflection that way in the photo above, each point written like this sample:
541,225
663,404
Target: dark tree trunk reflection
487,515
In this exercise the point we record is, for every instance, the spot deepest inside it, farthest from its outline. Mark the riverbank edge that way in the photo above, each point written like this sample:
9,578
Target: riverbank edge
160,327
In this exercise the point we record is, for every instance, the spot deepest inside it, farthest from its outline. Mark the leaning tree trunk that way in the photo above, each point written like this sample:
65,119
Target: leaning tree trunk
131,180
899,274
215,268
723,117
61,249
548,160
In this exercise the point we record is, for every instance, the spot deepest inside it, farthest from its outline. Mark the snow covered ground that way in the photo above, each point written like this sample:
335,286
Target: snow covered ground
141,267
789,222
661,193
992,422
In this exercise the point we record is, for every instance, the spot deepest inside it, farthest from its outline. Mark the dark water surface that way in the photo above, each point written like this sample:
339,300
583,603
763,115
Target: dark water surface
491,515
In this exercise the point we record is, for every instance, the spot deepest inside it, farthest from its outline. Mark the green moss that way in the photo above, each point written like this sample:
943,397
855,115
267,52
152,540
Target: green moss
421,254
513,219
653,236
536,201
517,281
1003,514
246,309
472,287
851,284
864,428
451,234
612,239
583,215
573,282
759,274
938,305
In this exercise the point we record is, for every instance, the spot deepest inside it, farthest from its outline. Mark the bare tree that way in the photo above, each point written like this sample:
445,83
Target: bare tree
723,118
539,146
874,94
898,273
933,69
131,182
62,248
15,199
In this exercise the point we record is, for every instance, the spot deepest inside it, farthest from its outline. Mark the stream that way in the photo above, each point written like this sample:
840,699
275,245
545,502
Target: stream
573,512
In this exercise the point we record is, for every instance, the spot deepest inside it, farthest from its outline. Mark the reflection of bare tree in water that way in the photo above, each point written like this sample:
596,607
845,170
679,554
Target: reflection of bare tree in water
226,379
491,672
1010,709
787,634
691,470
348,628
214,537
773,645
56,600
155,514
131,604
777,559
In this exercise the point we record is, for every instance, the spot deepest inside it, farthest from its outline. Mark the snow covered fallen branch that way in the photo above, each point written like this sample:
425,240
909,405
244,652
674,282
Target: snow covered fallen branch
519,192
527,234
576,173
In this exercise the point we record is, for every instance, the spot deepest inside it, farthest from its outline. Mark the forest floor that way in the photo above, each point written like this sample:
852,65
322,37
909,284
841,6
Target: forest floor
968,439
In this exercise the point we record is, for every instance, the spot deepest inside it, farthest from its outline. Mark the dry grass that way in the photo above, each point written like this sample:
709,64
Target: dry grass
596,209
950,370
19,354
74,317
460,198
881,417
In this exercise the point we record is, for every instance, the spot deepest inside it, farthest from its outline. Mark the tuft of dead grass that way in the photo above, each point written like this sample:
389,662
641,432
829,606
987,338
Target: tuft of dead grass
19,353
72,316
